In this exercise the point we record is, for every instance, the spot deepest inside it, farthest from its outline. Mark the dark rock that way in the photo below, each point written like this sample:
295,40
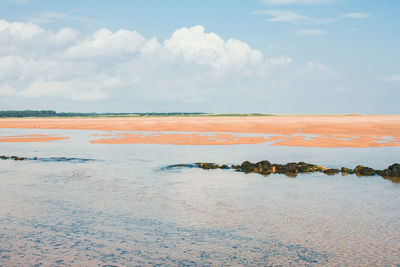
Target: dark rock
331,171
247,166
395,169
17,158
345,171
364,171
211,166
288,168
4,157
305,167
265,167
391,171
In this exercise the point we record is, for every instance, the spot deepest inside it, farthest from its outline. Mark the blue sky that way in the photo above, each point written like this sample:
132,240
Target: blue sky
272,56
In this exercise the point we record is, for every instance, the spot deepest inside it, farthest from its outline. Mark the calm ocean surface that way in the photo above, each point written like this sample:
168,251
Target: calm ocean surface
121,208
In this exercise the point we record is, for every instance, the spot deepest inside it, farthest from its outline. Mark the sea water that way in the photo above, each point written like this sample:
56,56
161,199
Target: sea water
117,205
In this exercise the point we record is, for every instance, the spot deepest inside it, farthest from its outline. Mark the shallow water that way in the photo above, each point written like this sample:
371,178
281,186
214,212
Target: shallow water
121,207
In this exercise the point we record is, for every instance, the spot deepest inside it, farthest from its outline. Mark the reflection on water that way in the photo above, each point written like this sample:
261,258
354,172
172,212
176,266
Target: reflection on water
123,208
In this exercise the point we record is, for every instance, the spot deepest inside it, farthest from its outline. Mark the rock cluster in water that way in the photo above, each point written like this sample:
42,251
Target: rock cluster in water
15,157
292,169
49,159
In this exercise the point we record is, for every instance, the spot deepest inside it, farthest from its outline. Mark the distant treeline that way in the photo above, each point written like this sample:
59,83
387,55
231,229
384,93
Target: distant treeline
52,113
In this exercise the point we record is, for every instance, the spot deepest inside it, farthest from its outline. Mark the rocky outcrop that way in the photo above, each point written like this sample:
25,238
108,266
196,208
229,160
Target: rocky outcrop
391,171
211,166
49,159
292,169
265,167
12,157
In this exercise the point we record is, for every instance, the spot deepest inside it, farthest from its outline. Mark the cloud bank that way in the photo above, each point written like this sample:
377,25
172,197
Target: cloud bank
191,68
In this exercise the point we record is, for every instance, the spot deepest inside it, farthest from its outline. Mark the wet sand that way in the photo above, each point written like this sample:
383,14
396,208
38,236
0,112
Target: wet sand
308,131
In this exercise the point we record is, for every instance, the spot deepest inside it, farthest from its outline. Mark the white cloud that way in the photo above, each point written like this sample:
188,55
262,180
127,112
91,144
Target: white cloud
292,17
193,44
310,32
289,16
301,2
51,17
284,16
19,30
356,15
106,43
64,35
71,90
395,78
191,67
7,90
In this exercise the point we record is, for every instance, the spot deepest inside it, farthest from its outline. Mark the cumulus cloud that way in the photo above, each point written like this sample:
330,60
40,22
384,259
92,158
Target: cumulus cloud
191,67
193,44
19,30
106,43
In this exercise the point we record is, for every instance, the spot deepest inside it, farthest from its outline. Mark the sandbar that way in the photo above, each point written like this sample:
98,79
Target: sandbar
308,131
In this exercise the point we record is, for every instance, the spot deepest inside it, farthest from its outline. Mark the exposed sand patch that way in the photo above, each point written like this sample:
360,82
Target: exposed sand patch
182,139
332,141
330,131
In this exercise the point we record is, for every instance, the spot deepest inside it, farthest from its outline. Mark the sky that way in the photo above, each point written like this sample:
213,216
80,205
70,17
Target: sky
218,56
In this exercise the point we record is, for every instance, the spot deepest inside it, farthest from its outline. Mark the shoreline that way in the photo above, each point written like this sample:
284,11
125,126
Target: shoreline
291,130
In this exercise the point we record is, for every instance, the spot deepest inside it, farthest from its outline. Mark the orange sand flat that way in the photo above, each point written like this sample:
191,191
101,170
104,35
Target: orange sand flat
182,139
31,138
331,131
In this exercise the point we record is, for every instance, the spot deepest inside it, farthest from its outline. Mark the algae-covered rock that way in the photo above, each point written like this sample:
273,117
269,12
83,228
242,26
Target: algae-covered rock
265,167
211,166
364,171
247,166
391,171
292,169
345,171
